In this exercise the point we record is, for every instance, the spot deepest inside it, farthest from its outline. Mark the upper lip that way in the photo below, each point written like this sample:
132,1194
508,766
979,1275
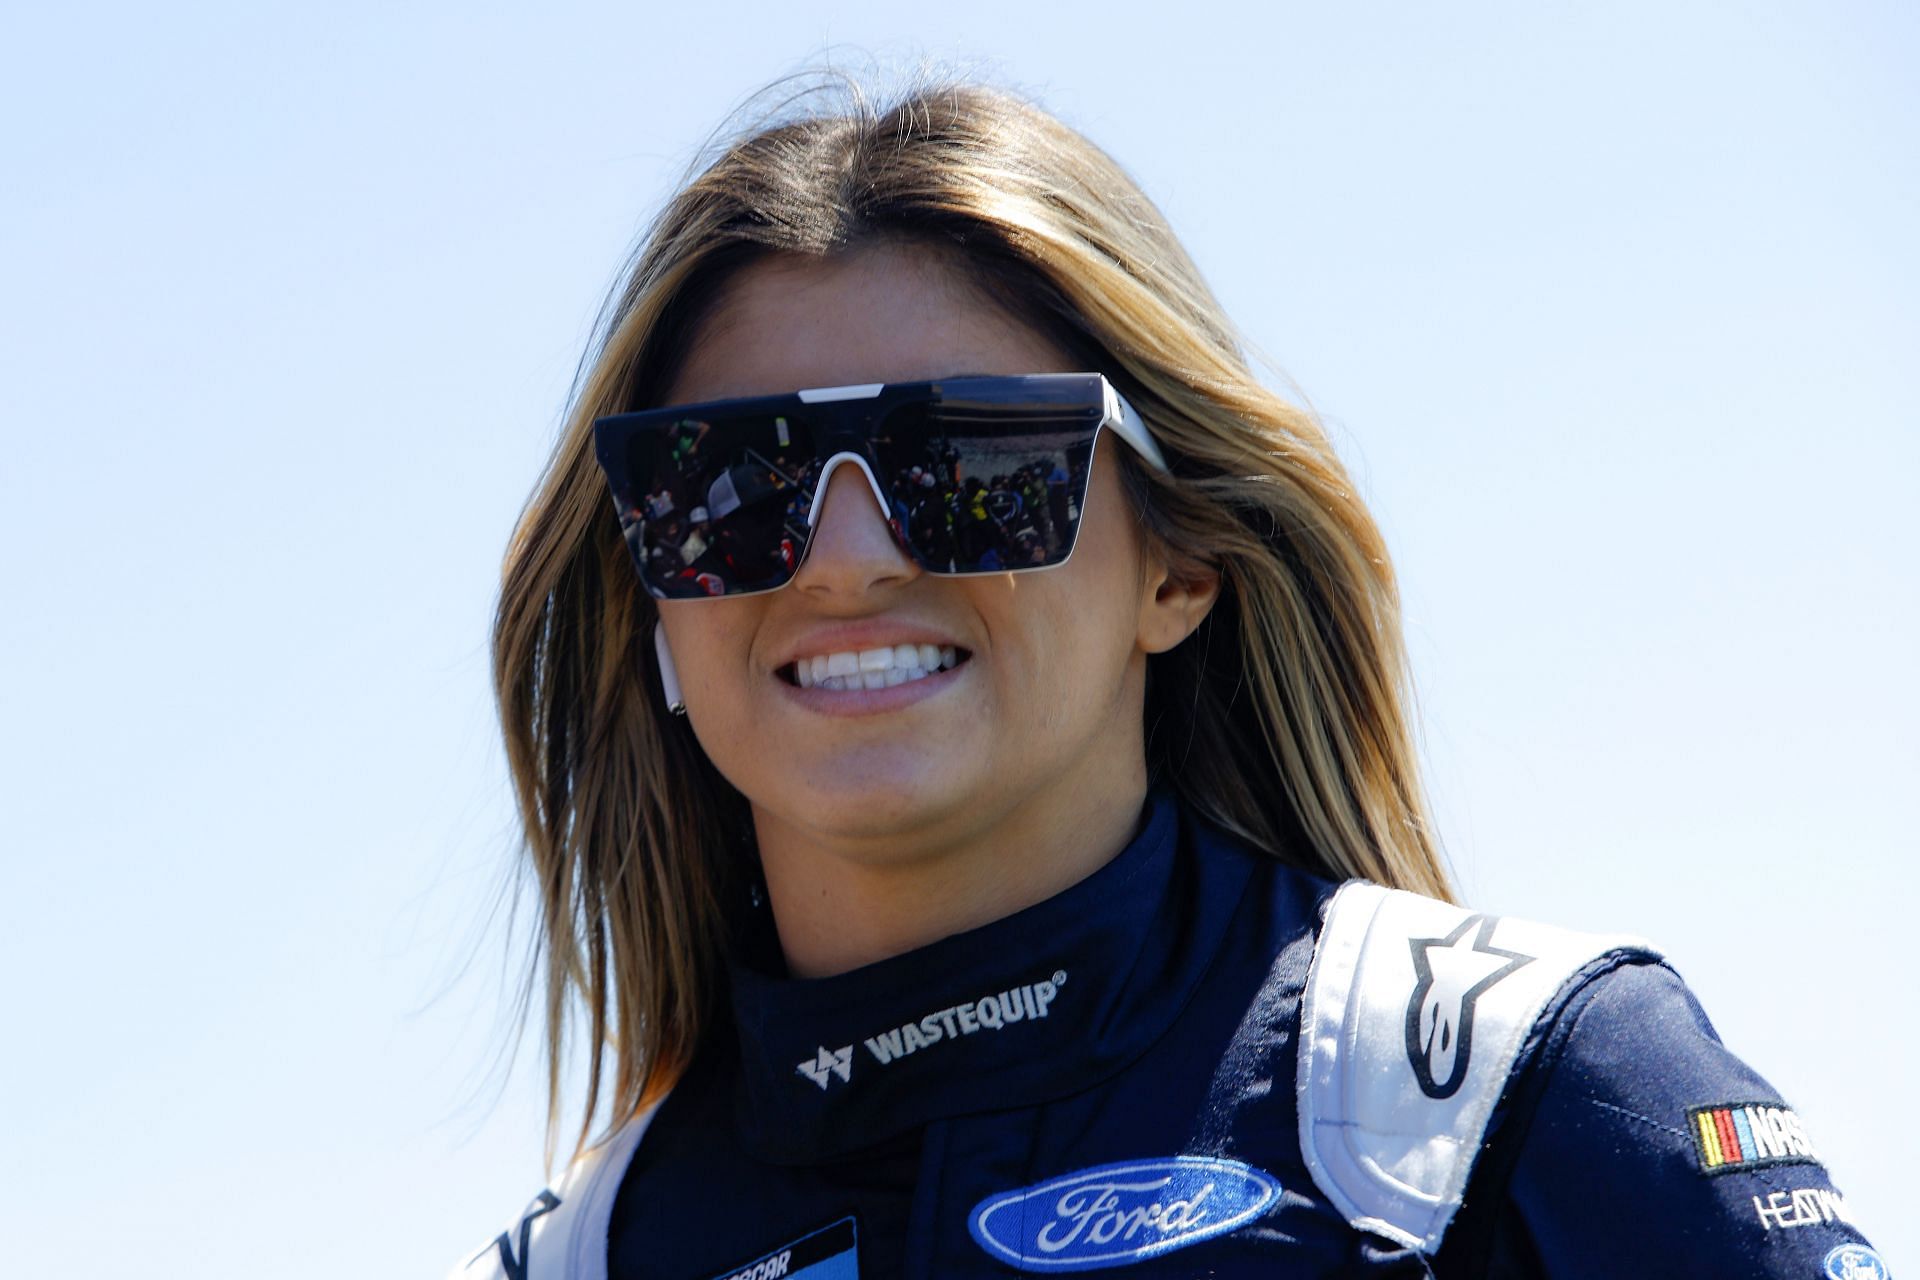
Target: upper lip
857,636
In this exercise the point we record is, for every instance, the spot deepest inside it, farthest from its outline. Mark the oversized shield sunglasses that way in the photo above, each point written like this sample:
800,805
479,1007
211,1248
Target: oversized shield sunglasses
973,475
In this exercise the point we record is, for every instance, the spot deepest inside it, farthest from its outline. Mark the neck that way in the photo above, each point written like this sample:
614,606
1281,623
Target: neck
843,902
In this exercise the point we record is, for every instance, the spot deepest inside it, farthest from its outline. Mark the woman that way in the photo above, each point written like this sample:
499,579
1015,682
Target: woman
934,918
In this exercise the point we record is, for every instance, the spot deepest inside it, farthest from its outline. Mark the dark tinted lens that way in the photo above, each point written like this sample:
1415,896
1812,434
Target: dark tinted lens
988,485
718,506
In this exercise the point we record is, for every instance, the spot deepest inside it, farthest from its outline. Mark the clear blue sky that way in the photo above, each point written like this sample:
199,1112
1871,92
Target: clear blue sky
1611,308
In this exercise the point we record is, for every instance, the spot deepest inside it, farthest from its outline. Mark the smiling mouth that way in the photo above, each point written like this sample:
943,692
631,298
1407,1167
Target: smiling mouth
882,668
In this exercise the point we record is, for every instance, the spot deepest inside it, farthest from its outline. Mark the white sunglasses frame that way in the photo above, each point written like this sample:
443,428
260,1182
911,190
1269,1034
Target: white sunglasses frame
1120,416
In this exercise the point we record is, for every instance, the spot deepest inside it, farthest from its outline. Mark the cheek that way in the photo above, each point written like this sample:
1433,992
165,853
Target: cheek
1076,636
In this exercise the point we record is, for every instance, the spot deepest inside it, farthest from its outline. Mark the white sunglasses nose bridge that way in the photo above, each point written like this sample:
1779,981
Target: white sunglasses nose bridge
817,501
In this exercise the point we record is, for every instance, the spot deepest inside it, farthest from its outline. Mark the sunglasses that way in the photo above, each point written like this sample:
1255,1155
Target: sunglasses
973,475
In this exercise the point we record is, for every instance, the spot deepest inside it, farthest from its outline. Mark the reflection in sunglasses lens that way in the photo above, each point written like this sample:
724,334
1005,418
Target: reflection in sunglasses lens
727,508
976,494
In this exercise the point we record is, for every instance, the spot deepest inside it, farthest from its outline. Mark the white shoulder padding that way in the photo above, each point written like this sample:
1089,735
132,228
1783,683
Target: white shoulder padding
1414,1015
562,1233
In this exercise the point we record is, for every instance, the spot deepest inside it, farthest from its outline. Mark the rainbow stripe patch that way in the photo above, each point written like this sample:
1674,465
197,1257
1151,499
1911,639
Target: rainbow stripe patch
1747,1135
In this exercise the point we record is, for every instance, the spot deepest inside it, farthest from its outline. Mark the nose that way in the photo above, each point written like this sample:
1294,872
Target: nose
852,548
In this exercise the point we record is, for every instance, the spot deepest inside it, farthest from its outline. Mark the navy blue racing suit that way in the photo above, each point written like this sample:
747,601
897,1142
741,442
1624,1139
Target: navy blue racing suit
1109,1081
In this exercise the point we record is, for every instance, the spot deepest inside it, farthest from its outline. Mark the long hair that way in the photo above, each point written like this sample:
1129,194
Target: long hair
1283,719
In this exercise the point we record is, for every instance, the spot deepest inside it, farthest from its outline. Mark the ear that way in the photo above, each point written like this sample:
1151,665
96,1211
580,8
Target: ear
1174,599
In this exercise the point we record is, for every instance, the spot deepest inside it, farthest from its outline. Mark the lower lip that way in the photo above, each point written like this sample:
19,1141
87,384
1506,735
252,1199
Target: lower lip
870,702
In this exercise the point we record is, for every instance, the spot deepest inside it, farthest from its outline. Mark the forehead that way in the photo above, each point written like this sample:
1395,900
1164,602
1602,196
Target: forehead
883,314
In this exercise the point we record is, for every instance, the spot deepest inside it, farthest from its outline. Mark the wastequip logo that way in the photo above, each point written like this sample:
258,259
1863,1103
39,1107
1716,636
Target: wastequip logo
1116,1214
993,1012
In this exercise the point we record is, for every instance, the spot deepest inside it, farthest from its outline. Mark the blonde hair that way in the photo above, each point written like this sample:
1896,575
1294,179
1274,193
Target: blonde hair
1283,720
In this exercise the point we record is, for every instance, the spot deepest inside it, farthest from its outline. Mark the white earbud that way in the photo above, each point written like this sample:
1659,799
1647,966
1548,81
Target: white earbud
669,677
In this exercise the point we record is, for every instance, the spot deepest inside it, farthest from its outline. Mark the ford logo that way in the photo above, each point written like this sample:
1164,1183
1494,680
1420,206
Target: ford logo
1855,1262
1115,1214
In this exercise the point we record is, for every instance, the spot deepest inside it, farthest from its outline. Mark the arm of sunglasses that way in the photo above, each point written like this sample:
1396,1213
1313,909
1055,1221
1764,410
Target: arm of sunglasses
1126,423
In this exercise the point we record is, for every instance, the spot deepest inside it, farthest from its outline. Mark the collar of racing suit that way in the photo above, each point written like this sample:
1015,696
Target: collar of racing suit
1037,1006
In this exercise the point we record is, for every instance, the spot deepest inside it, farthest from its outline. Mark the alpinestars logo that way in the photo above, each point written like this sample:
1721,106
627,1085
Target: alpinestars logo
1452,974
828,1063
513,1265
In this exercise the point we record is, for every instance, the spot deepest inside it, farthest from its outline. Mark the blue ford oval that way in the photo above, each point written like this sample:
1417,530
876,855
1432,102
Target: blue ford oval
1114,1214
1855,1262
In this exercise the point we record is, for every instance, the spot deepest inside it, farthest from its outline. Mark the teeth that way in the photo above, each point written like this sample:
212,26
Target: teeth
873,668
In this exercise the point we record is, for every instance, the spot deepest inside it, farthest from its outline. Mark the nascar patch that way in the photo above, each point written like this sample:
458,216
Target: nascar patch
1733,1136
831,1253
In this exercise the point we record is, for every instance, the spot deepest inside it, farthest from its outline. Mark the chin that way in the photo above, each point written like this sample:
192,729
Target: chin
874,808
